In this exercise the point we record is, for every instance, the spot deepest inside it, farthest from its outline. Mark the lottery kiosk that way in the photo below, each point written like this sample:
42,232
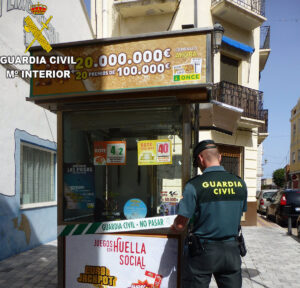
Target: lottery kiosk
127,120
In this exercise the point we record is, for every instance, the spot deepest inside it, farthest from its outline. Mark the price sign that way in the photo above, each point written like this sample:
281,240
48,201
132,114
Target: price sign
109,153
115,153
154,152
163,151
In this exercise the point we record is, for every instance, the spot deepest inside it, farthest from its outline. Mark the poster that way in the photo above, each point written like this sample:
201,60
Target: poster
79,189
154,152
154,61
110,153
134,209
121,261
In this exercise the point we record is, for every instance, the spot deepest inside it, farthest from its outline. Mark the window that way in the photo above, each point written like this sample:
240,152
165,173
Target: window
98,189
229,70
293,157
37,174
231,159
294,129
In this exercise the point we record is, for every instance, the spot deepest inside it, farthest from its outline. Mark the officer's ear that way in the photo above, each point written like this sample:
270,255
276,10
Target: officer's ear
219,157
202,160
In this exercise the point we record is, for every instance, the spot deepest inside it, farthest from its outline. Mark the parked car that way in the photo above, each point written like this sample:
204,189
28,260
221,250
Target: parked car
262,200
284,203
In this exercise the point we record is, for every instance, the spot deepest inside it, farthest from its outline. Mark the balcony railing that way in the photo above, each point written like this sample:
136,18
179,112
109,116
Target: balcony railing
250,100
264,37
264,127
256,6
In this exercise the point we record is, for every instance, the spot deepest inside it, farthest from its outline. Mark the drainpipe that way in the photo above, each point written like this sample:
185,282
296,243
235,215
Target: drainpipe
104,19
195,13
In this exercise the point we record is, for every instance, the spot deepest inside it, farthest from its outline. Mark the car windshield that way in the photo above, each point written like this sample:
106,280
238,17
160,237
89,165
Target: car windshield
268,194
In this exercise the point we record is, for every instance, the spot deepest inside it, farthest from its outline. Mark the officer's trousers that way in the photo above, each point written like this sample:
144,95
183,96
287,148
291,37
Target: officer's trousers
221,259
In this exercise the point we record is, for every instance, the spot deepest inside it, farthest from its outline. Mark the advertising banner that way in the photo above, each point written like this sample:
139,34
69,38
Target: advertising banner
121,261
79,189
109,153
116,226
168,60
154,152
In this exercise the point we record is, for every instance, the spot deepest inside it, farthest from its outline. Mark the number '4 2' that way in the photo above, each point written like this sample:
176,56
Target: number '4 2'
113,150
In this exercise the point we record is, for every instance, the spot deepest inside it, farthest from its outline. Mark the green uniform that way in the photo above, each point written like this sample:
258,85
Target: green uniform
215,201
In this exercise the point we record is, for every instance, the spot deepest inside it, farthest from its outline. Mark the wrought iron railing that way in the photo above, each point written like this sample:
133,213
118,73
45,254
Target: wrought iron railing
264,37
256,6
264,127
250,100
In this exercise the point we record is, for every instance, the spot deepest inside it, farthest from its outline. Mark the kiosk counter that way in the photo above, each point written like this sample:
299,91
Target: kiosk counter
127,120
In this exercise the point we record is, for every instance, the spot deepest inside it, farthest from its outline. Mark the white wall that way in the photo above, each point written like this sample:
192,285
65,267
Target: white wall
15,111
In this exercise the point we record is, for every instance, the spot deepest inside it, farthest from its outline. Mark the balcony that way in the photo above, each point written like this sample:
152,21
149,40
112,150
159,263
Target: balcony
138,8
264,128
247,14
264,49
250,100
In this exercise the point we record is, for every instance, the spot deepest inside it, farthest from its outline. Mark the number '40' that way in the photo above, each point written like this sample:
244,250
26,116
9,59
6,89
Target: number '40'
163,148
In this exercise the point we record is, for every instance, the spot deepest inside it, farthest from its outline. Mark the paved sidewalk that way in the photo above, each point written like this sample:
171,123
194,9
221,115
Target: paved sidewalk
36,268
272,261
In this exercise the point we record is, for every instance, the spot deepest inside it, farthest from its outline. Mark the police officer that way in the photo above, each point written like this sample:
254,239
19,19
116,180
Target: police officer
215,201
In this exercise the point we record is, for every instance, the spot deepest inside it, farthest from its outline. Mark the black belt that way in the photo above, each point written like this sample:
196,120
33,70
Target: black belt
207,240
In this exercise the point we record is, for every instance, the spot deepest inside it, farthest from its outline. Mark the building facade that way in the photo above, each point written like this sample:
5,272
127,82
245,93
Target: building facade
28,213
294,169
235,118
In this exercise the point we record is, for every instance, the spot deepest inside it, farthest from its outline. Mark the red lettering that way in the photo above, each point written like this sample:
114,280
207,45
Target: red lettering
121,260
136,248
132,262
143,250
126,247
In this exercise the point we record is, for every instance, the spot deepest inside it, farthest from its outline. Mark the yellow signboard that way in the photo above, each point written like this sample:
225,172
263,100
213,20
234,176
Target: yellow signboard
155,152
165,61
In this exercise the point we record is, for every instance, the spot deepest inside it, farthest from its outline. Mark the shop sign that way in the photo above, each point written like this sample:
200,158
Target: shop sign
165,60
154,152
79,189
116,226
121,261
110,153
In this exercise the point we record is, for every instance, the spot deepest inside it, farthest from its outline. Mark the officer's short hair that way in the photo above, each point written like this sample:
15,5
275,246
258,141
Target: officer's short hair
201,146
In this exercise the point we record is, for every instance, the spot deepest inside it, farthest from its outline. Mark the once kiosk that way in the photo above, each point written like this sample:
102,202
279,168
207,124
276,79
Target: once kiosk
127,120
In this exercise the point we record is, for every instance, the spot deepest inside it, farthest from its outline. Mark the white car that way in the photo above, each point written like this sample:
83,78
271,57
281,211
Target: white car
262,202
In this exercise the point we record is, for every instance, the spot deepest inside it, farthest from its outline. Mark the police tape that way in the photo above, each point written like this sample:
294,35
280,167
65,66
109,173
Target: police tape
116,226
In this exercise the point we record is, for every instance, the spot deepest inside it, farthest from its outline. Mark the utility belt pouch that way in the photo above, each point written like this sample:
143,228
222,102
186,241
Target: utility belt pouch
242,245
194,244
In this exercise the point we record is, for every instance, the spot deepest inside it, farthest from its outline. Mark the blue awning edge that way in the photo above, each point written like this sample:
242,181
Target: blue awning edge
237,44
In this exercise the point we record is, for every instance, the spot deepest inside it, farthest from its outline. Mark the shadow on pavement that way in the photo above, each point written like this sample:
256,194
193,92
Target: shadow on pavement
250,274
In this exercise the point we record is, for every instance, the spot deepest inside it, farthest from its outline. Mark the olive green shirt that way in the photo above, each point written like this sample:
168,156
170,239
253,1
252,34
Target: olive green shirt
216,201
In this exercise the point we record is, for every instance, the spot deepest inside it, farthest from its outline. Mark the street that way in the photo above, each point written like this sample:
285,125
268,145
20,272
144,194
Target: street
272,261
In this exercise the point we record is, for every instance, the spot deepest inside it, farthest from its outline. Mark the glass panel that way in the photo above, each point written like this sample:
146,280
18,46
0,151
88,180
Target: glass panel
114,184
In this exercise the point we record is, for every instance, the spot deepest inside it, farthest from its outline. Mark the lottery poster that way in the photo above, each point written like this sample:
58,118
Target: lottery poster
121,261
154,152
79,191
109,153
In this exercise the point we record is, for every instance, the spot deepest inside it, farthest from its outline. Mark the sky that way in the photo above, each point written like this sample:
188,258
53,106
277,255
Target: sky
280,80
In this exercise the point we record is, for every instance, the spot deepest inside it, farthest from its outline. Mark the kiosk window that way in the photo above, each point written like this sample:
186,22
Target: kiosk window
122,164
